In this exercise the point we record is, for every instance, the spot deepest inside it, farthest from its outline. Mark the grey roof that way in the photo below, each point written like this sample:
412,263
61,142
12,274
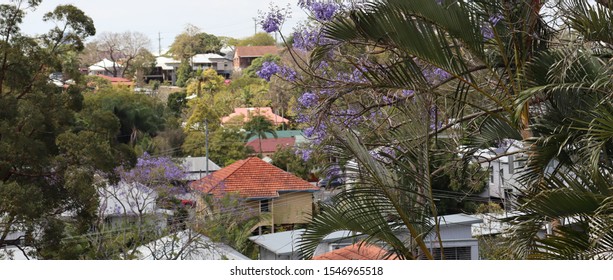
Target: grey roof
280,243
286,242
459,219
196,167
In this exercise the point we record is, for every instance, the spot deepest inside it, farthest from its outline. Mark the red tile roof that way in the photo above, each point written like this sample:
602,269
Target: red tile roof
358,251
255,51
116,80
251,178
271,145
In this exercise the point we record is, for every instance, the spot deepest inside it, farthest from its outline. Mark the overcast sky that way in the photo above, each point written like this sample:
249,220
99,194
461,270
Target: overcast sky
233,18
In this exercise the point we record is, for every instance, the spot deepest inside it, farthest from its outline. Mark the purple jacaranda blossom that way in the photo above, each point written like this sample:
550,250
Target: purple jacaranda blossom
153,173
288,74
305,3
304,153
323,11
307,38
487,30
308,99
407,93
272,21
268,69
441,74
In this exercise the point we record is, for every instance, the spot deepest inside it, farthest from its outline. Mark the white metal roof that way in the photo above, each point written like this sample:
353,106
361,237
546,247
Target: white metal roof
187,245
166,63
103,65
286,242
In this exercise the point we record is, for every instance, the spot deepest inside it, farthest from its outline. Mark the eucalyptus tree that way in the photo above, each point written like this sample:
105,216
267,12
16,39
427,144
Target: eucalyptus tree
46,166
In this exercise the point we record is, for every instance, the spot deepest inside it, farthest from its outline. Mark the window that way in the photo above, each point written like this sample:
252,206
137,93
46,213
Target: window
501,174
491,174
452,253
265,206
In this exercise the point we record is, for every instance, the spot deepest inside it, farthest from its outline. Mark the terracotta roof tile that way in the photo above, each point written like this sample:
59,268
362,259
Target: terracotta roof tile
271,145
255,51
358,251
251,178
246,113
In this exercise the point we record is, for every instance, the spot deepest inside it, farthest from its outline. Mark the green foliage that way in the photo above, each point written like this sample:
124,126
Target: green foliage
183,73
44,169
176,102
207,81
259,126
138,114
192,42
230,220
259,39
226,145
287,159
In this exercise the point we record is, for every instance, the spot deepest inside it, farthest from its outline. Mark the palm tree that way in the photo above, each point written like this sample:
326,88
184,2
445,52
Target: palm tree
568,179
503,64
259,126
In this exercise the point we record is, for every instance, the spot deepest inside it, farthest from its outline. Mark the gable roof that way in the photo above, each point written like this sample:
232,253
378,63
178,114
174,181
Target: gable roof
196,167
252,178
271,145
255,111
255,51
358,251
103,65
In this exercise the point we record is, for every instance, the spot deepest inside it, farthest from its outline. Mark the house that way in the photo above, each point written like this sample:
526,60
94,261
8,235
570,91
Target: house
244,56
358,251
243,115
165,70
198,167
265,188
270,145
222,65
123,204
105,67
456,236
187,245
502,164
284,245
166,67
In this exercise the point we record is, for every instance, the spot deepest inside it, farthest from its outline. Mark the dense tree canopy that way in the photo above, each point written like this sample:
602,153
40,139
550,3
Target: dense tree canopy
46,168
192,41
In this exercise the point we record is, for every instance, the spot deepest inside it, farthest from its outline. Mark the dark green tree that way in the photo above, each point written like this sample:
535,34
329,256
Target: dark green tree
287,159
47,166
259,126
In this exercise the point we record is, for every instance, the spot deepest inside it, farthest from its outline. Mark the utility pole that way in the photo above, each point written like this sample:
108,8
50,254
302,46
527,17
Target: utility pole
206,145
255,26
159,44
